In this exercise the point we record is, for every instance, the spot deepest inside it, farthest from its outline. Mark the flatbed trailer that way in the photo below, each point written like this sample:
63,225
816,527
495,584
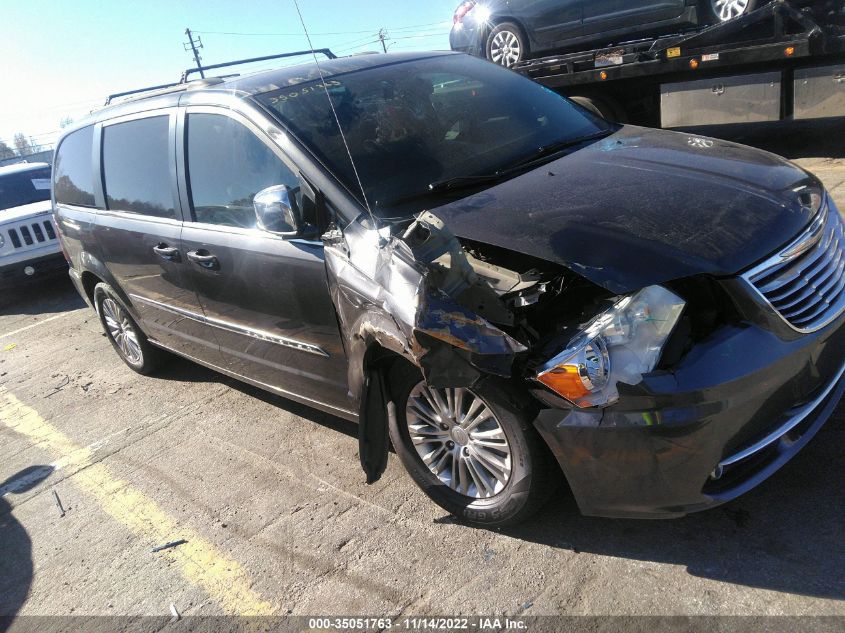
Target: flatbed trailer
778,62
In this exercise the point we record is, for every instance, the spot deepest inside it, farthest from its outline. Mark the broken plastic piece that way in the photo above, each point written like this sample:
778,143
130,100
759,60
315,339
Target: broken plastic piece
169,545
58,502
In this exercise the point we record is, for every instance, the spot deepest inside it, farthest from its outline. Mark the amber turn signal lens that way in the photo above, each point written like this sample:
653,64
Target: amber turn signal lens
790,51
603,75
566,381
693,63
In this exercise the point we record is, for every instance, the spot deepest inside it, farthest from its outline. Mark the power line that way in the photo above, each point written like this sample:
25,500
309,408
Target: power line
415,37
420,26
351,48
352,43
300,34
278,34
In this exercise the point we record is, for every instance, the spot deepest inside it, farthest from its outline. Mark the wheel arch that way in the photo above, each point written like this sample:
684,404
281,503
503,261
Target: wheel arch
89,282
94,272
496,20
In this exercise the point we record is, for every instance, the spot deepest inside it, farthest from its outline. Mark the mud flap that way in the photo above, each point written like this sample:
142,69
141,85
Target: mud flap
373,439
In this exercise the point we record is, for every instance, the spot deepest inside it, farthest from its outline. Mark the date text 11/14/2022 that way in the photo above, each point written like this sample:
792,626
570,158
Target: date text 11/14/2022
419,624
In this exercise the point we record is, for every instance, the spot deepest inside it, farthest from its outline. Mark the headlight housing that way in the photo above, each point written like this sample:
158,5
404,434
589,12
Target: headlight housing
619,345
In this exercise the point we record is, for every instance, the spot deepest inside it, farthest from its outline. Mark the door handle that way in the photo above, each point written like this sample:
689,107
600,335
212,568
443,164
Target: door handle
167,252
205,259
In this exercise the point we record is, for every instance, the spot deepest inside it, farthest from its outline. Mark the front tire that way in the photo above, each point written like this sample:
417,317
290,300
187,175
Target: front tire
126,337
725,10
472,451
506,45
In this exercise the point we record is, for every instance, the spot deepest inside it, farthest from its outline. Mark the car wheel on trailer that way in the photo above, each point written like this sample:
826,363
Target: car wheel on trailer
506,45
604,108
473,451
724,10
126,337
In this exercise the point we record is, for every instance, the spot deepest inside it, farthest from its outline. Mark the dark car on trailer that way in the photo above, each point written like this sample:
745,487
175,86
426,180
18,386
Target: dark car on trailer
474,267
509,31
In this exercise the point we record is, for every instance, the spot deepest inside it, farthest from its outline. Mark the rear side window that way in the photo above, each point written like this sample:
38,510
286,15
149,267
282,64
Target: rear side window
227,166
136,167
74,171
24,188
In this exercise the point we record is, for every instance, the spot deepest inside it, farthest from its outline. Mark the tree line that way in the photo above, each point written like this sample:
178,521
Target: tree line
22,146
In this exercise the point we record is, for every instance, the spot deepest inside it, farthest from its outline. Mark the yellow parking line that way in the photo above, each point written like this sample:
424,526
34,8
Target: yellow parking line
36,324
200,562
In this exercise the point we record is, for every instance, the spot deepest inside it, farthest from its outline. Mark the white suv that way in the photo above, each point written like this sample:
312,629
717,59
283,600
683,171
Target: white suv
28,244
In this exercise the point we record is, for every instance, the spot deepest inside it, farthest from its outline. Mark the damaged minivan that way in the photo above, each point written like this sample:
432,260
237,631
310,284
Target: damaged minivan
484,275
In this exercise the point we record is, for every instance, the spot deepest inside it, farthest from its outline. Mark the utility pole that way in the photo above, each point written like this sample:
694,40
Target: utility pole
382,36
194,44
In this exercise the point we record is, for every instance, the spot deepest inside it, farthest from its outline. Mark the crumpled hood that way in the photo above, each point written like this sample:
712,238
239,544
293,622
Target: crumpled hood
643,207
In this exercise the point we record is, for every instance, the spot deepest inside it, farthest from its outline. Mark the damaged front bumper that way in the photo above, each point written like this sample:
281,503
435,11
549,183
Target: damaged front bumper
738,407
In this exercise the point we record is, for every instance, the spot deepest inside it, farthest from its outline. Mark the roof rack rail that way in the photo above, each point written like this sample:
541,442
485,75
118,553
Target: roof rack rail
168,88
182,83
138,91
201,69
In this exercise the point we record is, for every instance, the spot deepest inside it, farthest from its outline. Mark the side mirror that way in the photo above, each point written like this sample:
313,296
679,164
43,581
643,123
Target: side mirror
276,211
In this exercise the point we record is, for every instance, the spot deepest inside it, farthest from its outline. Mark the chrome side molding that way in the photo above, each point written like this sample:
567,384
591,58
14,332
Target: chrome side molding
237,329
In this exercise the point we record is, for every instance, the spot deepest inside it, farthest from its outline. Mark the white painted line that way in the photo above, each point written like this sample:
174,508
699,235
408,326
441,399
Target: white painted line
29,327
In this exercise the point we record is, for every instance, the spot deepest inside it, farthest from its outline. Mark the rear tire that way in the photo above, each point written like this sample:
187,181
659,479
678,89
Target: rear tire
127,339
724,10
506,45
467,485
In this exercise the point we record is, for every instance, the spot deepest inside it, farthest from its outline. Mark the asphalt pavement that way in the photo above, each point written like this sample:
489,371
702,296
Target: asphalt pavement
276,518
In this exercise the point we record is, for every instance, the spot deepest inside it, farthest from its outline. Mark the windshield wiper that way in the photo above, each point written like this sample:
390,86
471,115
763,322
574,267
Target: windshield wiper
541,153
467,182
551,149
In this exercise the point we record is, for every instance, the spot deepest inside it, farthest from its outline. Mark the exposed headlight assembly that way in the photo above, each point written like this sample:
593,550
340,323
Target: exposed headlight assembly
619,345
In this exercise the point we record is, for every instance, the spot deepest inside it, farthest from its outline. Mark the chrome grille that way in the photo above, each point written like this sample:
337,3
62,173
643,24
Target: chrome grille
31,234
805,283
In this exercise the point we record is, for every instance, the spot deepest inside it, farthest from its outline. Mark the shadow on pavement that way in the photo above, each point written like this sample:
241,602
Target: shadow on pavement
786,535
15,545
791,139
50,294
182,370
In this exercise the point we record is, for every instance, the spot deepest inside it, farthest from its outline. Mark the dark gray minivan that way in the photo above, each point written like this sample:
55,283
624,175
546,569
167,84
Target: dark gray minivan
476,270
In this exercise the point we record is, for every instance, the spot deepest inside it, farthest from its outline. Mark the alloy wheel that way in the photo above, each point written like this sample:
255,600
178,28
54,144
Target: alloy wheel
121,331
729,9
460,440
505,49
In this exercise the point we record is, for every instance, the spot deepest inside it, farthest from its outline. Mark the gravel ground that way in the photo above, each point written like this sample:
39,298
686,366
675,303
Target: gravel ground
277,518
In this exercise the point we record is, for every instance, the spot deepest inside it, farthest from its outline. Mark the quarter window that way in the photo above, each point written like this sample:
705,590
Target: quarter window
74,172
227,166
136,166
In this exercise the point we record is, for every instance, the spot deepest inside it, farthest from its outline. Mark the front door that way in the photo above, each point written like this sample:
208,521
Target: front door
611,15
140,229
551,22
266,298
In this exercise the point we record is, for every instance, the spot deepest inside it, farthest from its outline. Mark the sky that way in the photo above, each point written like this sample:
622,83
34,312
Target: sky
61,58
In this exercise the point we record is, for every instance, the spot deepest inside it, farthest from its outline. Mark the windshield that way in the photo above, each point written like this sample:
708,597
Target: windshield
415,123
24,187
